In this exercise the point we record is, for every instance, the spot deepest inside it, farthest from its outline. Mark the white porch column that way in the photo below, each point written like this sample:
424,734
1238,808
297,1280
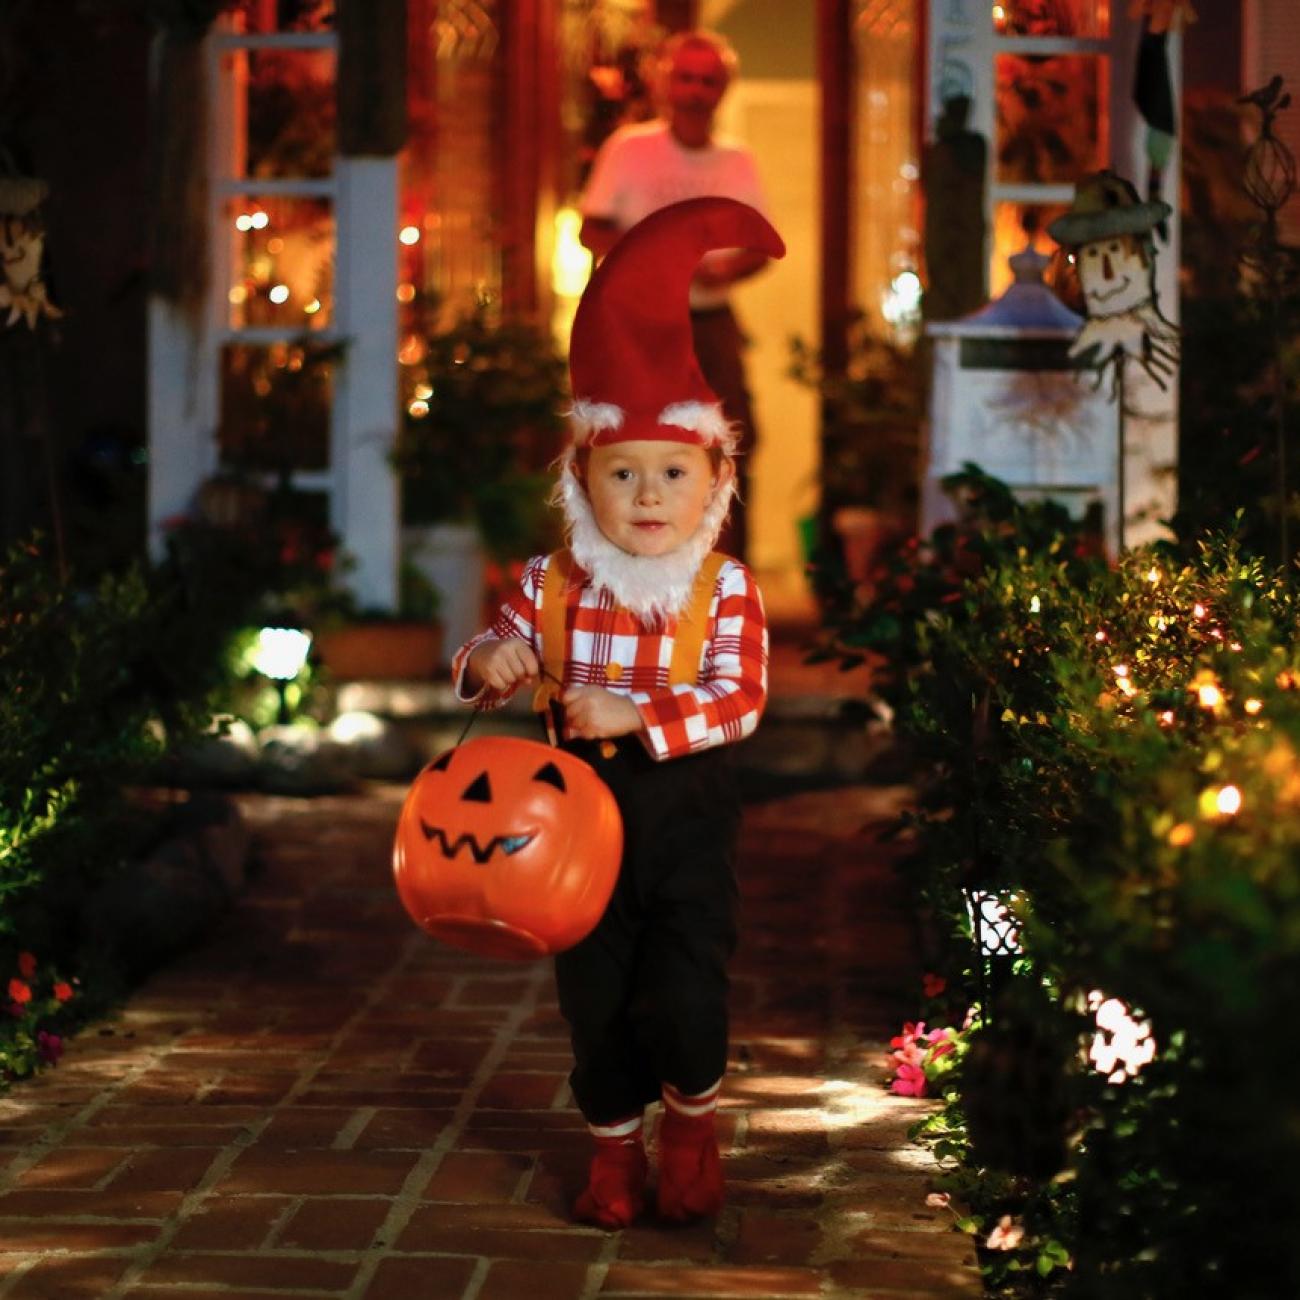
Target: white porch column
364,503
182,416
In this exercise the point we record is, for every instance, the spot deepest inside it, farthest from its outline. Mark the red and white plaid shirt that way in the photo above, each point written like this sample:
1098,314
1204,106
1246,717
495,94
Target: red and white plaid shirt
609,647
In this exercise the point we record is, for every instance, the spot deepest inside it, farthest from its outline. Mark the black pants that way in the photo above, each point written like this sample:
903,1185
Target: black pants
719,348
645,994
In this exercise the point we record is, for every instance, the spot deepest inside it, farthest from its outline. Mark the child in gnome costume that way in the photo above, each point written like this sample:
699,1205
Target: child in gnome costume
656,647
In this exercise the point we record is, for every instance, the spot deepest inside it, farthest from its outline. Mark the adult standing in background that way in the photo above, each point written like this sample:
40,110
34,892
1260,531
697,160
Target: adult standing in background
647,166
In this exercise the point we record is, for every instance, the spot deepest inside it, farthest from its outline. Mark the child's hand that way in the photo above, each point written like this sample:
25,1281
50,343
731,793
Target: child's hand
502,665
593,713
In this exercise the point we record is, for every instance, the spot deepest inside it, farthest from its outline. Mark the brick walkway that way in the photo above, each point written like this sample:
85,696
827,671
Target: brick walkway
321,1102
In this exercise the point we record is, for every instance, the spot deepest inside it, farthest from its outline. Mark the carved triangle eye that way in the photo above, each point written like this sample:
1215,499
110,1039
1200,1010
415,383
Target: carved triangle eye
551,775
478,790
441,763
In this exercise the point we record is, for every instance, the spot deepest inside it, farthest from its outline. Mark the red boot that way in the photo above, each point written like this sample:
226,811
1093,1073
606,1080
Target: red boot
690,1167
615,1191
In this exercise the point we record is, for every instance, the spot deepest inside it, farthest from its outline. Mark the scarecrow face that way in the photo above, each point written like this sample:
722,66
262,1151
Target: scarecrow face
1114,275
21,244
507,847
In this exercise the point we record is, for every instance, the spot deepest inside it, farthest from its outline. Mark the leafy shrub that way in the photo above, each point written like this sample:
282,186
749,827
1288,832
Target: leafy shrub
1115,752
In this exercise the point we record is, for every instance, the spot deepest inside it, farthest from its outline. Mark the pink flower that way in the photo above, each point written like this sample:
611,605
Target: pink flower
932,985
1007,1235
909,1082
941,1048
938,1200
26,965
912,1054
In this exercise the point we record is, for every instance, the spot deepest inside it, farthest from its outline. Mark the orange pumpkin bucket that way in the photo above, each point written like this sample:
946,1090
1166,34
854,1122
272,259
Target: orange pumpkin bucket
507,848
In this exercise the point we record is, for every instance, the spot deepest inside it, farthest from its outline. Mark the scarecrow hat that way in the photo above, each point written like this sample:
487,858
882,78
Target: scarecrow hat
1105,205
632,364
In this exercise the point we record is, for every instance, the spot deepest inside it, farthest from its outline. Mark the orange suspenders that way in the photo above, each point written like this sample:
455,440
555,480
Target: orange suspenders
688,640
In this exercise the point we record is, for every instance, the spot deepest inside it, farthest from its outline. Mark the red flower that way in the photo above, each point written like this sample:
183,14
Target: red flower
62,991
932,985
19,991
26,965
49,1047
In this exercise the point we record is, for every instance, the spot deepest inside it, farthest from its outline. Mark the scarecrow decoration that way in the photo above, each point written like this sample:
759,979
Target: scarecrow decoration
1109,232
22,243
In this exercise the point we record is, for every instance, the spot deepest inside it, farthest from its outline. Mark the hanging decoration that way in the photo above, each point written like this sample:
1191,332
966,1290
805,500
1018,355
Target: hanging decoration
1163,15
1108,232
22,243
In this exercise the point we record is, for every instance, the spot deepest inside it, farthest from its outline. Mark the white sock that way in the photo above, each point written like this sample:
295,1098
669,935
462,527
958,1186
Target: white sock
628,1131
692,1105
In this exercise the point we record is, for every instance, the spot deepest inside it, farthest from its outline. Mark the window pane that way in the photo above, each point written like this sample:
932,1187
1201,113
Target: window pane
887,171
1051,113
449,192
281,262
268,16
289,110
1051,17
275,406
1014,225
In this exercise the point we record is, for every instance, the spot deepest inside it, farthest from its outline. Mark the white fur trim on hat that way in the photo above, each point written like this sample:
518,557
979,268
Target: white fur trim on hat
704,418
589,418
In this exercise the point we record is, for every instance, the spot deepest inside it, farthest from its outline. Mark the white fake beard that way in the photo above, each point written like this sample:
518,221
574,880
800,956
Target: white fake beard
653,587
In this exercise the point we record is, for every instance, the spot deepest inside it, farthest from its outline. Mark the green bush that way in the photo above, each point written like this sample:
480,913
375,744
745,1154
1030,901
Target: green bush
1115,752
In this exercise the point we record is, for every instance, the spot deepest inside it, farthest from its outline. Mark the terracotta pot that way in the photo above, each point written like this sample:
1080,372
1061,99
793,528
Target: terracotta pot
382,651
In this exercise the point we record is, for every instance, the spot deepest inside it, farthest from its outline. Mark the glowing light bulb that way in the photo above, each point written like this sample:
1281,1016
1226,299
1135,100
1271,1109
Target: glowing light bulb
1209,696
243,222
410,235
1099,635
418,409
1182,835
1153,576
312,307
278,293
1228,801
1254,706
259,220
238,294
1198,610
406,292
1034,605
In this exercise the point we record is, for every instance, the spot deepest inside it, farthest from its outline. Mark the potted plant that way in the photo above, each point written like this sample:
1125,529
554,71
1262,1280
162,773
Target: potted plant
481,424
354,644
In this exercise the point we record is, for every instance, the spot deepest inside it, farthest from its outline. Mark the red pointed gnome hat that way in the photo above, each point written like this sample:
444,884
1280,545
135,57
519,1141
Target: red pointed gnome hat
631,361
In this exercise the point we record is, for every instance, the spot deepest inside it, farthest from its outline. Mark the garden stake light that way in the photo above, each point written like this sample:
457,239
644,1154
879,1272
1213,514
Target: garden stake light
279,655
996,933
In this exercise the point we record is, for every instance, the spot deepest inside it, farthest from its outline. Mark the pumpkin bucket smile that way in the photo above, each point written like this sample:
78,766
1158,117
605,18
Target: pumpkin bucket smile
507,848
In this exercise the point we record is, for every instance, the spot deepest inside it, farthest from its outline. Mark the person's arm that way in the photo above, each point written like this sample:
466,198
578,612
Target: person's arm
726,704
516,620
599,234
722,269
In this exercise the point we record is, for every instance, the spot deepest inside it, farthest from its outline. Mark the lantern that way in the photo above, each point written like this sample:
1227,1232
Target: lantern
508,848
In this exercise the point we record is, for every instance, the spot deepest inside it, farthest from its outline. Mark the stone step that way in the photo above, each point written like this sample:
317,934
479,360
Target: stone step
805,741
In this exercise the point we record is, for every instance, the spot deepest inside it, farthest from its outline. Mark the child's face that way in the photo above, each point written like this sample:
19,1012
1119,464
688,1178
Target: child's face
649,497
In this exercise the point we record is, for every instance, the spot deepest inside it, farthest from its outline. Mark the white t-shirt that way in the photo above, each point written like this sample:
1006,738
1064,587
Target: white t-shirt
643,168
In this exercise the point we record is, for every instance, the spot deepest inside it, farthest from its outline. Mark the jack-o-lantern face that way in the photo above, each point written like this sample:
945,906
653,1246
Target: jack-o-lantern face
508,848
1114,275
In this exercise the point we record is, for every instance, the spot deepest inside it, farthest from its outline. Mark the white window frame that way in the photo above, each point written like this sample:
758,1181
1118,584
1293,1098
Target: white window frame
185,356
